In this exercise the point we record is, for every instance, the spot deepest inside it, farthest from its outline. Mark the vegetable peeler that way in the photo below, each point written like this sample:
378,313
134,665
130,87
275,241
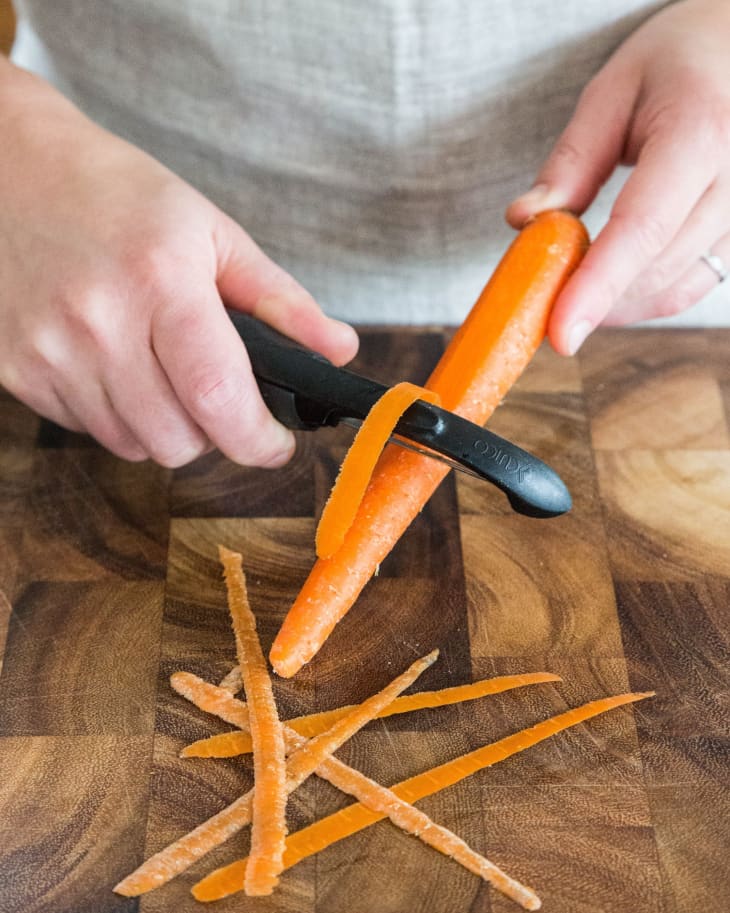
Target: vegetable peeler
304,391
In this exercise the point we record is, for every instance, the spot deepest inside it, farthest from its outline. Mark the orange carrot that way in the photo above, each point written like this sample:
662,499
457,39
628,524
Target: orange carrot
268,830
486,356
323,833
359,463
307,757
230,744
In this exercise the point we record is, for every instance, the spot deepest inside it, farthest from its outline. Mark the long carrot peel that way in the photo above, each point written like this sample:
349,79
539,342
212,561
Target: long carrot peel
230,744
357,467
305,759
268,830
485,357
323,833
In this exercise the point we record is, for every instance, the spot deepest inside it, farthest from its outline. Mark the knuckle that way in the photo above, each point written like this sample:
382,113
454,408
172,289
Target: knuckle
215,394
121,444
46,347
154,267
648,233
716,132
567,154
87,312
674,300
652,282
173,454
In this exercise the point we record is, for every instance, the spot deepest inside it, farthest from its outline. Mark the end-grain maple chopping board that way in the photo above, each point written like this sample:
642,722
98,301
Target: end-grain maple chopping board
110,582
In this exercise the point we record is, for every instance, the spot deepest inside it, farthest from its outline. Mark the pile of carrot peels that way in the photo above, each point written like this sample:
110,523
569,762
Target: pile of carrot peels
286,754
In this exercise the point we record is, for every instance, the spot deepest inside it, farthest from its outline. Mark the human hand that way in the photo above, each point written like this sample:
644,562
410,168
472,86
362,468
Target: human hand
661,103
114,273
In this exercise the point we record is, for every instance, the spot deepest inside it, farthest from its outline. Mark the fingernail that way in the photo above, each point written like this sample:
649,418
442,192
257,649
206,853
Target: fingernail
539,198
534,196
578,335
348,334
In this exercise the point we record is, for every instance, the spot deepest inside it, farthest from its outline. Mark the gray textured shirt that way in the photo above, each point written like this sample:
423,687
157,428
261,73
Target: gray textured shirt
369,147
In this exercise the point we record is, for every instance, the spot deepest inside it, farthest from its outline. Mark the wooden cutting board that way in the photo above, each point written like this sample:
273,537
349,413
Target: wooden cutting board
110,583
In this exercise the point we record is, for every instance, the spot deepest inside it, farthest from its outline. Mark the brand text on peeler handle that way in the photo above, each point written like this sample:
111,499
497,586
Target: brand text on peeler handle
504,459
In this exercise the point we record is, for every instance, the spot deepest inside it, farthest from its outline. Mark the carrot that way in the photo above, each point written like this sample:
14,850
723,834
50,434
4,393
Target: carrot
268,830
323,833
308,756
359,463
485,357
230,744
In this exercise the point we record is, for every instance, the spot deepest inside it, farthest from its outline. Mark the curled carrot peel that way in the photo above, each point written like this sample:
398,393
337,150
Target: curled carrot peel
485,357
359,463
307,757
268,830
230,744
323,833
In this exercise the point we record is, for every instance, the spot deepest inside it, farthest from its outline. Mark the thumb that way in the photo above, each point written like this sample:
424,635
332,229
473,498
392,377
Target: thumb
250,281
587,151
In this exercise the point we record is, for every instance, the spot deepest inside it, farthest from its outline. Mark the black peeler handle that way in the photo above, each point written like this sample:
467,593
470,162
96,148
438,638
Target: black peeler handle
305,392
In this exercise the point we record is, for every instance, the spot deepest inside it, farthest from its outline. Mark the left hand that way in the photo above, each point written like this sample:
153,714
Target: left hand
662,104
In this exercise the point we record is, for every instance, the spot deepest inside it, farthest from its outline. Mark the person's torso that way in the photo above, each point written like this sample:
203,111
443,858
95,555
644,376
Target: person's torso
370,148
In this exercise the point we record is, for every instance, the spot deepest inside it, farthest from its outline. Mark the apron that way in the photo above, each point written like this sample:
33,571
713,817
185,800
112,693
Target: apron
370,148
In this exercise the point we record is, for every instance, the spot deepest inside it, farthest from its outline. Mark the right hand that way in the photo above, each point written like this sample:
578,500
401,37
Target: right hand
114,273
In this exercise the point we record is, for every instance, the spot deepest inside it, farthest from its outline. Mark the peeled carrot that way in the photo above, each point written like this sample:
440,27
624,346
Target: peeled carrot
230,744
357,467
323,833
268,830
307,757
485,357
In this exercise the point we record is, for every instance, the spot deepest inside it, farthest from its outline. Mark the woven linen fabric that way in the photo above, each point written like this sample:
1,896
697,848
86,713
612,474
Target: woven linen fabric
369,147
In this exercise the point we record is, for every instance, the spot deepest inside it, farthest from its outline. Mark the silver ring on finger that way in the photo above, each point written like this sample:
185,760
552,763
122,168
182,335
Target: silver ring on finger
716,264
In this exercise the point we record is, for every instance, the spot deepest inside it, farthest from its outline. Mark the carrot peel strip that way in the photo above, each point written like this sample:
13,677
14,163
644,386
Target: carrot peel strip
230,744
268,830
359,463
318,836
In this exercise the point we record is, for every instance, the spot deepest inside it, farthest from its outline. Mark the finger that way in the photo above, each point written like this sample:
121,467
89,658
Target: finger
93,406
143,397
45,401
644,221
209,370
249,281
588,149
647,296
697,281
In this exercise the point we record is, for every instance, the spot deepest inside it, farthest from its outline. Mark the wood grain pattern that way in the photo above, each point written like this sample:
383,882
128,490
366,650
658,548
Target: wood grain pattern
7,26
109,582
